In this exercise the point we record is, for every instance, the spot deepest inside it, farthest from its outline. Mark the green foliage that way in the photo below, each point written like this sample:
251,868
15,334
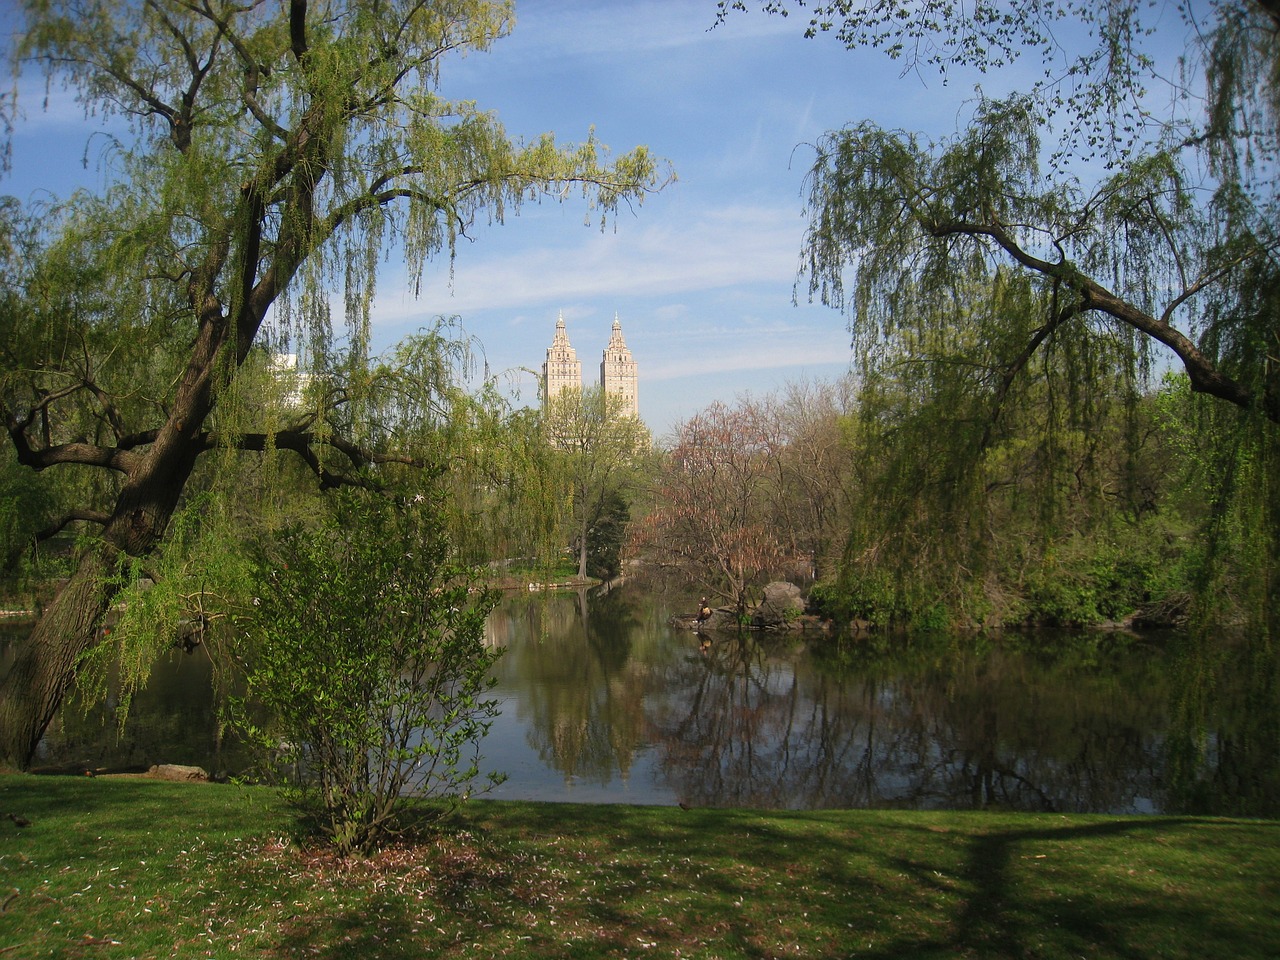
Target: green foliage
366,647
25,503
826,600
1225,480
872,599
596,452
605,537
1099,586
877,599
1008,315
182,596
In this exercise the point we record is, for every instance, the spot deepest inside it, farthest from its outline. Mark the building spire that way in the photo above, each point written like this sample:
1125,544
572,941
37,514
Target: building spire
562,369
618,372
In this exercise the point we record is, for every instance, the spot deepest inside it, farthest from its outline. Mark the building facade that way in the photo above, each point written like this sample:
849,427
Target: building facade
619,373
562,370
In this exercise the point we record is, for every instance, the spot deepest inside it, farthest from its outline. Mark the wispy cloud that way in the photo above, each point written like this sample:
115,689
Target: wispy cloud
589,28
739,353
721,248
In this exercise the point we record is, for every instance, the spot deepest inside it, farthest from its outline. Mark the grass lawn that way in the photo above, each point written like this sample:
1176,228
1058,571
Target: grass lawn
117,868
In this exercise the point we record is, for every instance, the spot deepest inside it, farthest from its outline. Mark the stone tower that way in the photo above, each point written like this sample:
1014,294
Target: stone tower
562,369
618,373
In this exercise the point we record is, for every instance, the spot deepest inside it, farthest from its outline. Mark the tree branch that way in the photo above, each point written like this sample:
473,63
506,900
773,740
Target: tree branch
52,530
298,29
87,516
302,441
1204,375
78,452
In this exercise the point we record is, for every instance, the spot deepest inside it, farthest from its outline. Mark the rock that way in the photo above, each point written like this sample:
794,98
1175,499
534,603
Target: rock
177,771
782,605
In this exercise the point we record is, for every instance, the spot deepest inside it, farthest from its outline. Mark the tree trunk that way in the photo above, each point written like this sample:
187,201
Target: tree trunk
45,664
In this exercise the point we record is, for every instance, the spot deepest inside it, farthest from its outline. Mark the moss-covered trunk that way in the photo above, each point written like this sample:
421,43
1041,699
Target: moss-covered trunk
45,664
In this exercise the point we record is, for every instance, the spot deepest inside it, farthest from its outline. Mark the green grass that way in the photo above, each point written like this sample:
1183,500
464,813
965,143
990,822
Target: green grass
134,868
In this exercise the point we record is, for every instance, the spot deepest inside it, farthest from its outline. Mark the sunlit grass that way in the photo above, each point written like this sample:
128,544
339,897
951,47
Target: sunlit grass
129,868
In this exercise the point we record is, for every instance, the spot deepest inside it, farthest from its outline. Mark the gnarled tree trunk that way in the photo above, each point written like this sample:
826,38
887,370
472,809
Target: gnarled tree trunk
46,662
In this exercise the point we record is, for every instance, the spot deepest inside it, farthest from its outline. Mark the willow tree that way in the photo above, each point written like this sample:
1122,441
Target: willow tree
275,153
1139,211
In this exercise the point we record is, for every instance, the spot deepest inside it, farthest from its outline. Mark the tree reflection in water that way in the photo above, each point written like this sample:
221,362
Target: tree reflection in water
604,701
1071,723
923,724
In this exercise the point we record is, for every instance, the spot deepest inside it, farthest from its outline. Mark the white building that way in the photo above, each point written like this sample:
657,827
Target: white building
294,382
619,373
562,369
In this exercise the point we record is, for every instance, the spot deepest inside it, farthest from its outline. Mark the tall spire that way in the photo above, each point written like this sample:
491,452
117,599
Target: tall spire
562,335
562,369
619,374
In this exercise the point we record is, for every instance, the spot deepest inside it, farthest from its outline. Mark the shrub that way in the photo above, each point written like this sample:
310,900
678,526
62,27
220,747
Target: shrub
366,648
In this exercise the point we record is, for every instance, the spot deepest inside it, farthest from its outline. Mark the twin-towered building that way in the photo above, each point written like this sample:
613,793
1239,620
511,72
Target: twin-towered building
618,373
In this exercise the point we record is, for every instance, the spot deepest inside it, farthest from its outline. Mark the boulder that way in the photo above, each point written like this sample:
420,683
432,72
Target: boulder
782,605
177,771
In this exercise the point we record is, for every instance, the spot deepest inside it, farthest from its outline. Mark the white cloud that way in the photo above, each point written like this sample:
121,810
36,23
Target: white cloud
739,352
718,249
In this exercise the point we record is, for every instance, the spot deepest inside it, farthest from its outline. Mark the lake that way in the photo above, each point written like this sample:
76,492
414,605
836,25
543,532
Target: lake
603,701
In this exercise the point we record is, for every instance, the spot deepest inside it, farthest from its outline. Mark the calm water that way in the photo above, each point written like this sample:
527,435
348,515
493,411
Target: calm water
603,702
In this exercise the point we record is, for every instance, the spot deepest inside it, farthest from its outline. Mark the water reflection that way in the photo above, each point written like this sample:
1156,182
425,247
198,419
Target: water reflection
929,725
175,719
574,682
613,704
603,701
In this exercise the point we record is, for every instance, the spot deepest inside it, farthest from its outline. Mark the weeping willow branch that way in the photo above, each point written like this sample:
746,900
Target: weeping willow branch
303,443
1009,375
1204,374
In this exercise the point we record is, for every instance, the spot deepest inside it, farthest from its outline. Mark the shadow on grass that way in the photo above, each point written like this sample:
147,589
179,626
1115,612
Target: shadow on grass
527,879
875,885
1004,913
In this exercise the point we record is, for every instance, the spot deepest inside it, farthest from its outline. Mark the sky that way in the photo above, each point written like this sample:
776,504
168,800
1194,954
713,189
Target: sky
703,275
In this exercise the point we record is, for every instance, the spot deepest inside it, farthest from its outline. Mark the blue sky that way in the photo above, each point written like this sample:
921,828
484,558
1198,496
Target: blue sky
701,275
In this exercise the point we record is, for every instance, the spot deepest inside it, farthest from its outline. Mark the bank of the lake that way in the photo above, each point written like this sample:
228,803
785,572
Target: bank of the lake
140,869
